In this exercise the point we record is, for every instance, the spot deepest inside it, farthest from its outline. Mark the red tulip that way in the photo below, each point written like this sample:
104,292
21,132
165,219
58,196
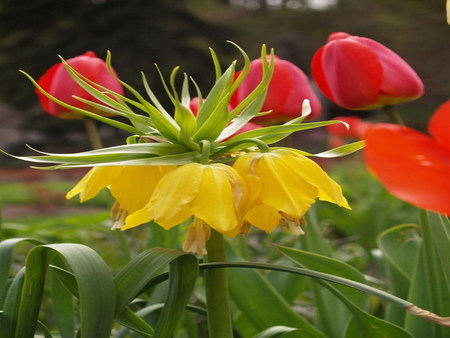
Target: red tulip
411,165
287,89
57,82
360,73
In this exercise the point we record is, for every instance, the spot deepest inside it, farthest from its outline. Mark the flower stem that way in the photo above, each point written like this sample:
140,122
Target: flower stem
219,317
393,115
92,132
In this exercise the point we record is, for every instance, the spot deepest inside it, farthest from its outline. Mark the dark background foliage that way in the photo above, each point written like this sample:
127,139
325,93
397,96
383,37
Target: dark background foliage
178,32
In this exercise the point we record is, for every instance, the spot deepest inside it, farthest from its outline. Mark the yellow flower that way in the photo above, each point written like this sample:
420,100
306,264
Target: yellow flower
131,187
282,185
212,193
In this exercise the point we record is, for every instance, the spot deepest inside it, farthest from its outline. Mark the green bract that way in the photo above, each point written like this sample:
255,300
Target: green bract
161,138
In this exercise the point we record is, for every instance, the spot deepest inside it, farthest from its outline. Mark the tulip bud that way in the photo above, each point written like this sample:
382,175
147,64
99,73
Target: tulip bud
287,89
358,73
58,83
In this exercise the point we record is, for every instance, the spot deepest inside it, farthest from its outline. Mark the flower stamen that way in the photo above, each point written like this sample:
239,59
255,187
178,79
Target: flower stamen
293,224
198,233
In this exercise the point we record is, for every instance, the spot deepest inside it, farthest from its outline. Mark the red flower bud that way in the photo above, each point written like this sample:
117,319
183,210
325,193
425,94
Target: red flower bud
411,165
288,87
58,83
361,74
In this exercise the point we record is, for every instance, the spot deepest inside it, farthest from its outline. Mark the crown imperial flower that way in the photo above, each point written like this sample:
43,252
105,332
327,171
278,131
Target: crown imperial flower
175,167
213,194
59,83
358,73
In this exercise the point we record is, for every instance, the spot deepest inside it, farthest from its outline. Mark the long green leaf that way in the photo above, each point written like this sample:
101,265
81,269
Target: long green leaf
257,299
182,277
135,276
95,288
6,252
11,305
400,246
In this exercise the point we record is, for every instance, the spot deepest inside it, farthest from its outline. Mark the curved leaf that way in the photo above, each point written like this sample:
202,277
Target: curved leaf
95,288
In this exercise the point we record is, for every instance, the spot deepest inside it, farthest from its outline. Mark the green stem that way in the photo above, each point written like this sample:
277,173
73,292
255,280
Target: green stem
216,283
92,132
393,115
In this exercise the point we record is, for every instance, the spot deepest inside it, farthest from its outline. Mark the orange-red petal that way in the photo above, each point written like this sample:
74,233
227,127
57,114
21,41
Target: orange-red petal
411,165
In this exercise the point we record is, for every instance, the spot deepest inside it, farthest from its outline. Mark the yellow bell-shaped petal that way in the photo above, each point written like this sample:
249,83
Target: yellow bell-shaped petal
131,186
212,193
97,179
282,186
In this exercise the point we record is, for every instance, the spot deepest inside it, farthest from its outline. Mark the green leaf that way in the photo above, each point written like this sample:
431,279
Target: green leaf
257,299
176,159
182,277
133,321
331,266
276,331
111,122
213,114
95,288
6,252
273,134
332,315
11,305
135,276
400,246
62,305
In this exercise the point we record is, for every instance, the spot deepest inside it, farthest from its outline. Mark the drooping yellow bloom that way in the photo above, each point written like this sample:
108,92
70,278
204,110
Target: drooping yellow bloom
283,184
212,193
131,186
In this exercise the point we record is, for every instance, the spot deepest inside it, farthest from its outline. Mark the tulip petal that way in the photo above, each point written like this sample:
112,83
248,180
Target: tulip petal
411,165
352,72
439,125
400,81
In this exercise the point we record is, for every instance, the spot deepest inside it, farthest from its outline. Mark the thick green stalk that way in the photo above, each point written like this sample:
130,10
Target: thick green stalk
92,132
219,316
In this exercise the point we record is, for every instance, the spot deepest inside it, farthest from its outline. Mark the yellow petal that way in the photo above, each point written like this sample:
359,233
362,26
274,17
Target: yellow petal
134,186
264,217
329,190
214,203
282,188
169,204
95,180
